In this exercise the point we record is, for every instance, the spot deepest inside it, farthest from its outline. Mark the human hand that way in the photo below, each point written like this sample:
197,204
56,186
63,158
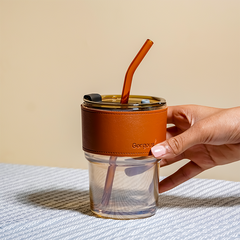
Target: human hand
206,136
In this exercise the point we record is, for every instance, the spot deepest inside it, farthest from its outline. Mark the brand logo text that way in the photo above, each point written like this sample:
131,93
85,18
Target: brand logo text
142,145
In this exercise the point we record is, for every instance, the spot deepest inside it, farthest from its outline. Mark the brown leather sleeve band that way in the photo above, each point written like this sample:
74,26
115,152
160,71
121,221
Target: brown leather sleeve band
122,133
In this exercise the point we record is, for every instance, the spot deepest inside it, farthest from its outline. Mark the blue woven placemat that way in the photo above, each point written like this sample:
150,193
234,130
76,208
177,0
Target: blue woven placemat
53,203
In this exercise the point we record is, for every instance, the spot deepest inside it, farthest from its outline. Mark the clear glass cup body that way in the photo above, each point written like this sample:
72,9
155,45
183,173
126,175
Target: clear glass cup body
133,181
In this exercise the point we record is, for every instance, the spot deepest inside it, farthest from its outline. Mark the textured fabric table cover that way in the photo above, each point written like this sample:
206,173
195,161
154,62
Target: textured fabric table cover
53,203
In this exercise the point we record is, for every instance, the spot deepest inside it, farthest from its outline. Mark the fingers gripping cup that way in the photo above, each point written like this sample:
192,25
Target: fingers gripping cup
117,139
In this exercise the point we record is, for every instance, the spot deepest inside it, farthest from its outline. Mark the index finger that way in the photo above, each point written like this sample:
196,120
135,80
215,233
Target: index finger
174,112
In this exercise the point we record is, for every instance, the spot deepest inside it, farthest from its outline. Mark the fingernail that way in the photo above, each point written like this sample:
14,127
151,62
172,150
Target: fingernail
158,151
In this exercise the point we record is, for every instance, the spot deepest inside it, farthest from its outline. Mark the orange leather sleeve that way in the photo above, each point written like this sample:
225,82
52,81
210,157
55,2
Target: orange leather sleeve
122,133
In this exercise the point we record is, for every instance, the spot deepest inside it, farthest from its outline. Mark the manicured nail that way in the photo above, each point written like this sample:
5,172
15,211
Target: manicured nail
158,151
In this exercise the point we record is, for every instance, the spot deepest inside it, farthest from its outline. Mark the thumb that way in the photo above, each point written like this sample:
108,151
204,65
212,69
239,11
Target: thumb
174,146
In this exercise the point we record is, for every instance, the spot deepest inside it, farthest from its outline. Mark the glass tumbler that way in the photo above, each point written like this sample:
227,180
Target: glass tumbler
117,139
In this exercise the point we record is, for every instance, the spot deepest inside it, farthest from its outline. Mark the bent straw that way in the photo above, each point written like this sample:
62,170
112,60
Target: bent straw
131,69
124,99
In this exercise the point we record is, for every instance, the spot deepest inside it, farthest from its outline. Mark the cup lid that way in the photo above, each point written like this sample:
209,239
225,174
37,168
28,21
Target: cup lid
135,102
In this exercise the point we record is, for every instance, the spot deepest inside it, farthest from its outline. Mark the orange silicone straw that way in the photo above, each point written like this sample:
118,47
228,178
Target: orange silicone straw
124,99
131,69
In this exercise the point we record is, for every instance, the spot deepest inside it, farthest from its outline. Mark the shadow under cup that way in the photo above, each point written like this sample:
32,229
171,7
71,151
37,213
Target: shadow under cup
117,141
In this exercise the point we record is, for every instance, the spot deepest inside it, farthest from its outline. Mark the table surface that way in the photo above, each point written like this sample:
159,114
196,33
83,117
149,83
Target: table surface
53,203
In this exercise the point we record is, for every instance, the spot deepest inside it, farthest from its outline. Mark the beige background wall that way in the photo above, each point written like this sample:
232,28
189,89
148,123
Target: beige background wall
54,52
